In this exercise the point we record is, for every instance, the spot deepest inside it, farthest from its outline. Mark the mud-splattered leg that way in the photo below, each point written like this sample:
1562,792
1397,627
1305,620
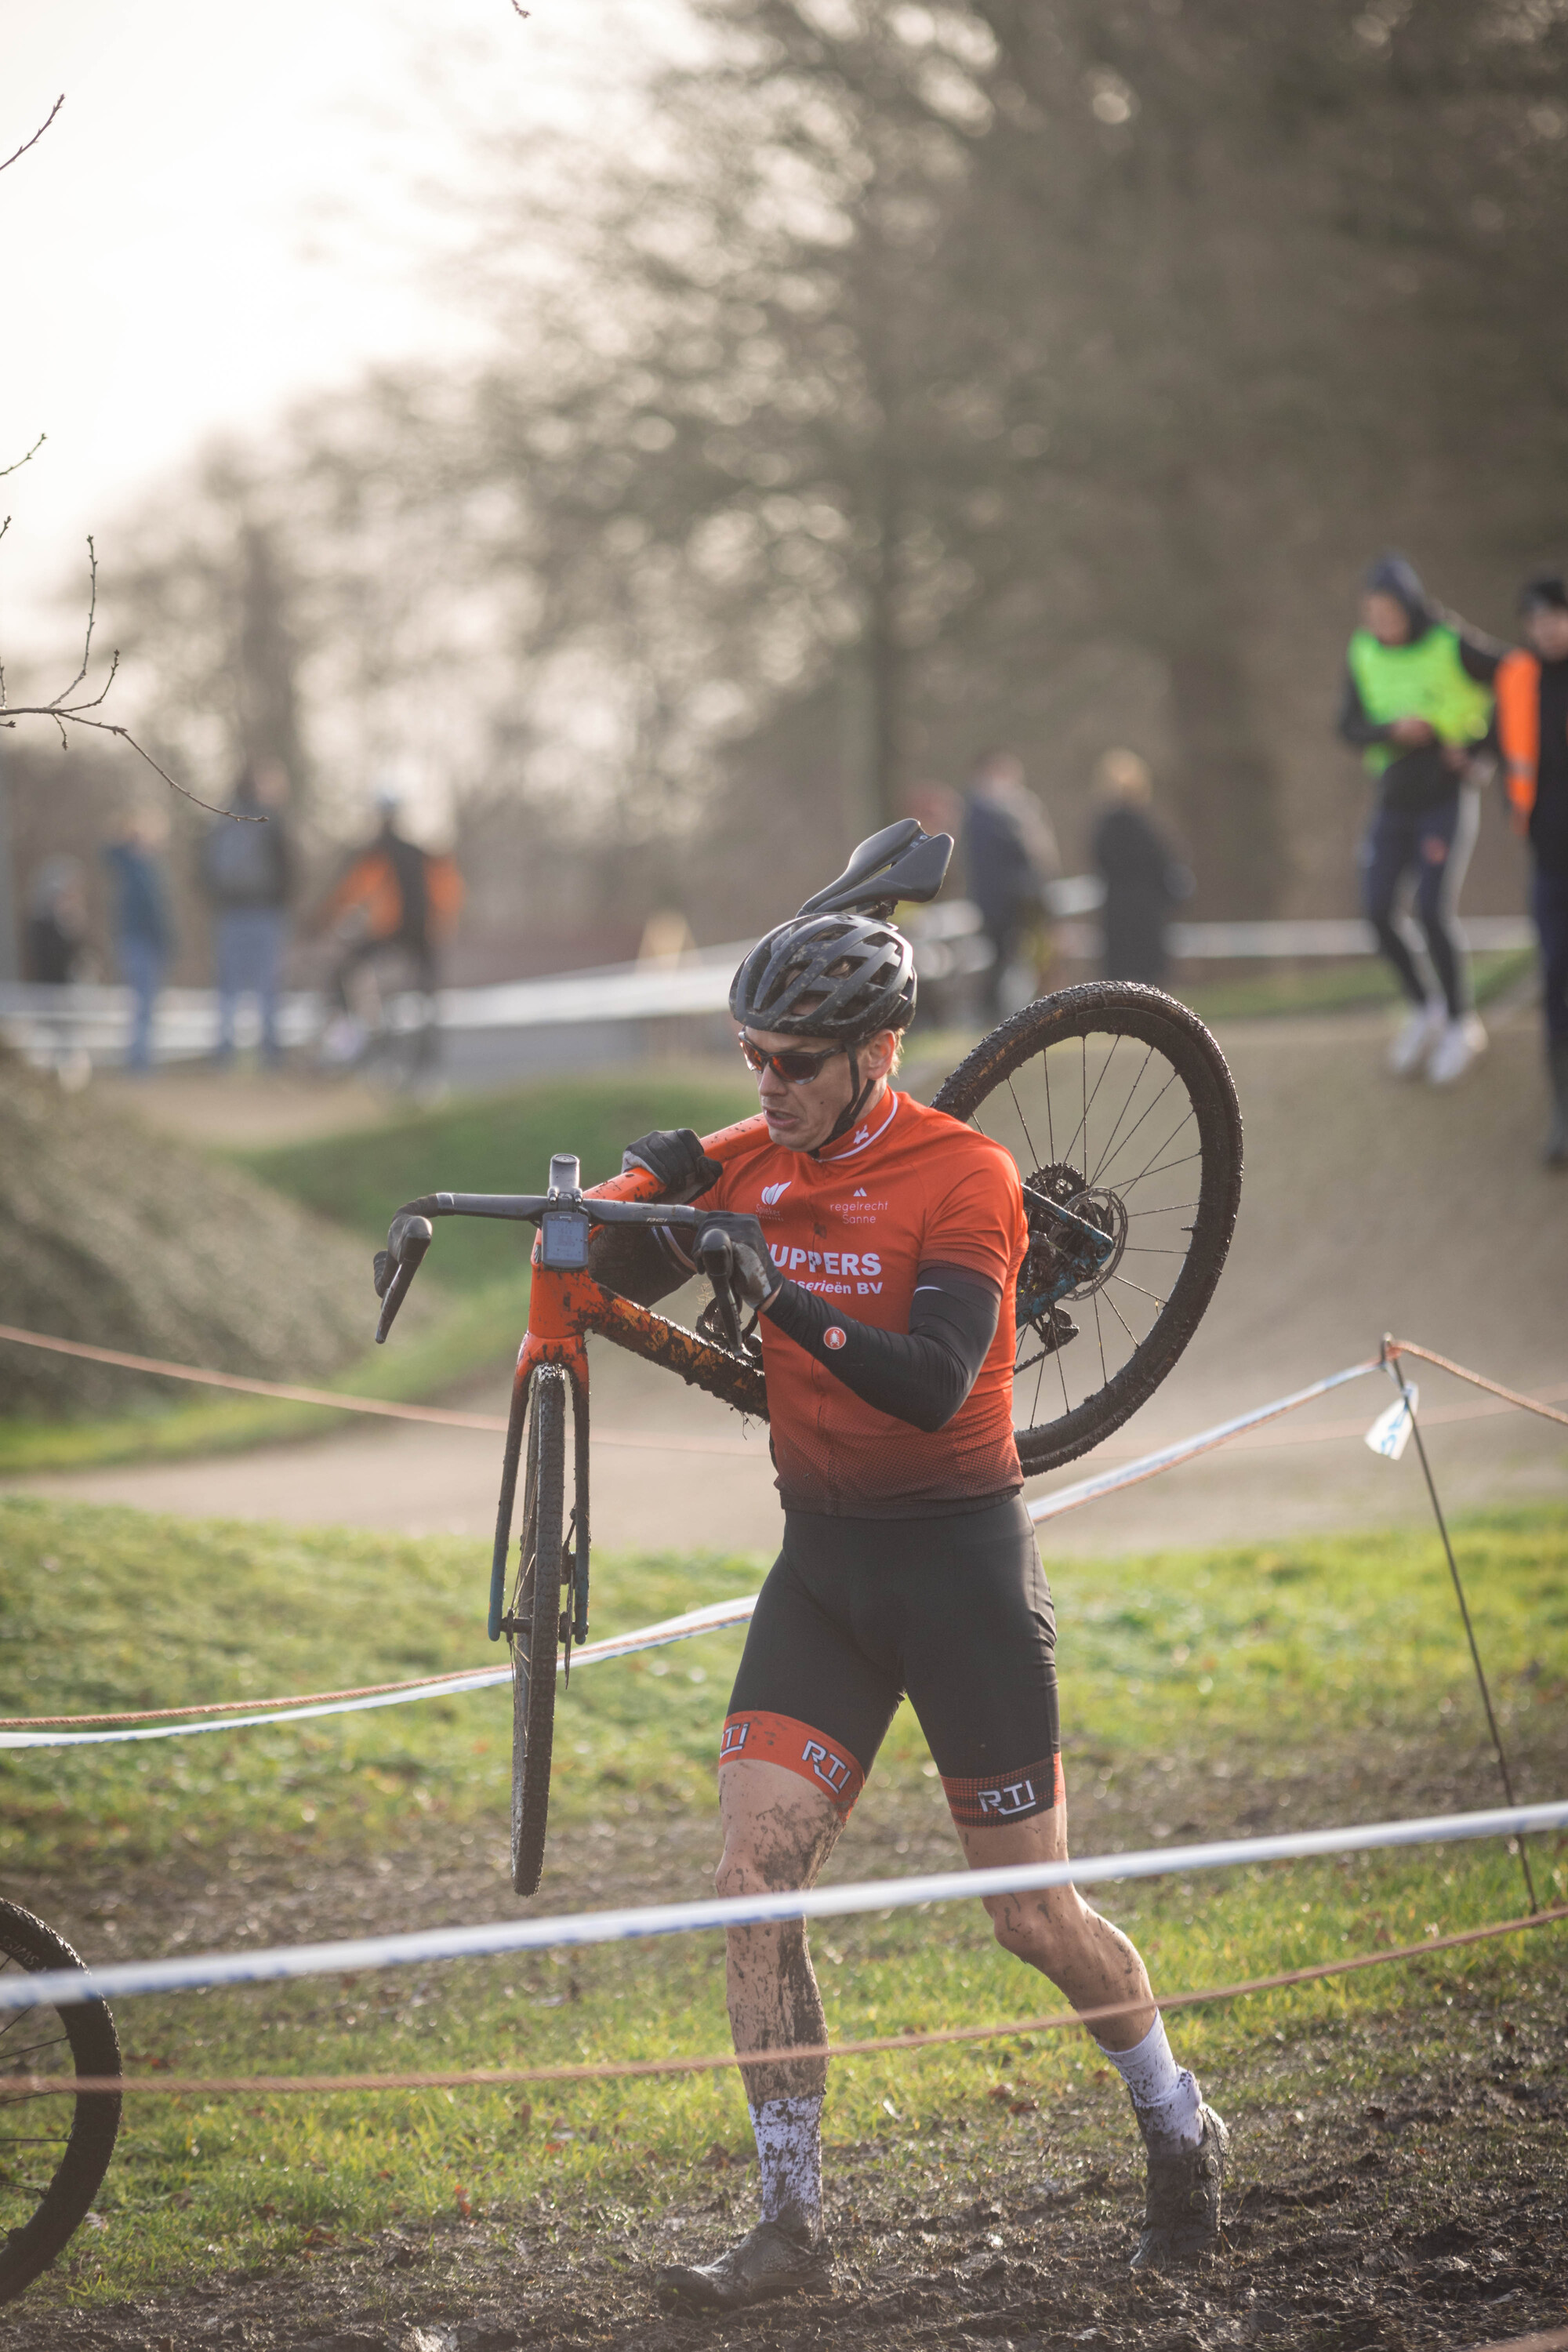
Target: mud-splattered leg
778,1832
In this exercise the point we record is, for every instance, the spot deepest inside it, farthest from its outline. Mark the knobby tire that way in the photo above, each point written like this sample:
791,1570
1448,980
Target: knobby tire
1116,1011
536,1627
70,2141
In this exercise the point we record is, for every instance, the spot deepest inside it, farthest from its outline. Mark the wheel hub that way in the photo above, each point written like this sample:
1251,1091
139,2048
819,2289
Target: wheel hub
1064,1260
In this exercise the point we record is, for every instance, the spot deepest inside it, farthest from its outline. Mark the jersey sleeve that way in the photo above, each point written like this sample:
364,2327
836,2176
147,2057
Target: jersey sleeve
978,1222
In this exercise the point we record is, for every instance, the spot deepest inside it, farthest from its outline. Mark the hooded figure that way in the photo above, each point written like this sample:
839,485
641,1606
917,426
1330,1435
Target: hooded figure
1417,703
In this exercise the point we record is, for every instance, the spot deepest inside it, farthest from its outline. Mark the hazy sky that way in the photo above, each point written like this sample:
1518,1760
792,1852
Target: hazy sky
233,204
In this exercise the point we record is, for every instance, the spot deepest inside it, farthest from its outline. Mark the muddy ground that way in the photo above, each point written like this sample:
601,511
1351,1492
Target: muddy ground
1429,2215
1429,2212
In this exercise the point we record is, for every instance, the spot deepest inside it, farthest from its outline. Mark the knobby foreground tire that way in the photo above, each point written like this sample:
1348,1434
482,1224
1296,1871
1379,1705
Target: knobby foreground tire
1119,1107
53,2150
536,1622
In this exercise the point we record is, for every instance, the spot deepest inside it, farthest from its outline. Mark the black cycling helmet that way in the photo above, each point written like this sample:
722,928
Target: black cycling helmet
839,968
839,976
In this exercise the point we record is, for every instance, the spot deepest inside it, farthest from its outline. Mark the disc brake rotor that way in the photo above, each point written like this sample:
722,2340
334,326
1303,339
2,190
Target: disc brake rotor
1061,1262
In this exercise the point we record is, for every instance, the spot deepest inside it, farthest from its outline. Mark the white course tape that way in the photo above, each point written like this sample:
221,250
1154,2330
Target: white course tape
67,1984
706,1620
695,1621
1186,1449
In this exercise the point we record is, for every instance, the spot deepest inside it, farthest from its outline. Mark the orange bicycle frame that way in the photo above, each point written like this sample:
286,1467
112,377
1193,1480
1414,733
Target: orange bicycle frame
562,1308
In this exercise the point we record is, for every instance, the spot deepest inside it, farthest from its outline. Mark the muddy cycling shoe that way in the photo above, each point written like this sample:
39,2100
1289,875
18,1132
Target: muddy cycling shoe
775,2258
1182,2209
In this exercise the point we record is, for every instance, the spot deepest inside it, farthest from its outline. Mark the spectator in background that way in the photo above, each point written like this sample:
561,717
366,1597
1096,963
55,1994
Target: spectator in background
141,923
1009,856
248,878
1417,703
393,897
55,941
1532,729
1143,878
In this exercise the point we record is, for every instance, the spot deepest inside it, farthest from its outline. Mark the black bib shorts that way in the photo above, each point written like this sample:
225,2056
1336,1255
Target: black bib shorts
955,1613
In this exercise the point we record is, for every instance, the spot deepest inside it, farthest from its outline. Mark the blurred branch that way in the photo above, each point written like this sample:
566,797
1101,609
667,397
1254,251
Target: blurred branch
17,463
65,713
40,133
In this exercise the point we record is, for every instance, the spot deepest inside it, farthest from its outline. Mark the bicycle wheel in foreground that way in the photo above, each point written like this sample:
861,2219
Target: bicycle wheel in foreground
533,1624
53,2149
1118,1108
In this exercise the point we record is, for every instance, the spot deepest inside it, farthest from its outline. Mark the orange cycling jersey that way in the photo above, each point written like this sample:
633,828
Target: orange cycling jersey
909,1188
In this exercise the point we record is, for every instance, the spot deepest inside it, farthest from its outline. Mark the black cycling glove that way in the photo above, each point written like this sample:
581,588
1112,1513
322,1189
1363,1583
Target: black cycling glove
756,1277
674,1157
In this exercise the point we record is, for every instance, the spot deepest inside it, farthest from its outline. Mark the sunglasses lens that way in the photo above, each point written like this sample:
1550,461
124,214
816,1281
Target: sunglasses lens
797,1067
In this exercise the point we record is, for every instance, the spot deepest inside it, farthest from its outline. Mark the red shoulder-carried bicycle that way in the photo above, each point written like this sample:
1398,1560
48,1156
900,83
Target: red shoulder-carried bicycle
1116,1104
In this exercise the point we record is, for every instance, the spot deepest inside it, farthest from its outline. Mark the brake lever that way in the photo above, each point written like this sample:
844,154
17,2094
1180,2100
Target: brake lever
718,1263
418,1234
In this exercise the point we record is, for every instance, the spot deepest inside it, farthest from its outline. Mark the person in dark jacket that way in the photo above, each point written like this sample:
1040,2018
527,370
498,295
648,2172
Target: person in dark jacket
1417,703
1142,877
1009,856
140,921
1533,730
55,937
248,875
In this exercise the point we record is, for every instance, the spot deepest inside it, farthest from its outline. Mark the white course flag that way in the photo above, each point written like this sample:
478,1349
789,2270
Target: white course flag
1390,1433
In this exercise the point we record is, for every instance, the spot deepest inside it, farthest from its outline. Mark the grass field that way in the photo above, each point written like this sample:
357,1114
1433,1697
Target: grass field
1321,1681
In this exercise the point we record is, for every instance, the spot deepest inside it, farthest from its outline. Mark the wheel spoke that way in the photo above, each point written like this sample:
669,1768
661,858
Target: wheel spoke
1138,1286
1113,1147
1023,1123
1110,1146
1163,1169
1120,1317
54,2042
1126,1184
1100,1335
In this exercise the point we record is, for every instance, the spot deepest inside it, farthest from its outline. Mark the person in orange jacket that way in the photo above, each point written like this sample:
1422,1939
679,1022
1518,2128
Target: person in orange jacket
1532,730
391,894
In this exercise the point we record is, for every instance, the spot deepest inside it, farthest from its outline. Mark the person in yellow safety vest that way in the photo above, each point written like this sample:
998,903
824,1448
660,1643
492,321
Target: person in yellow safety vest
1532,731
1417,703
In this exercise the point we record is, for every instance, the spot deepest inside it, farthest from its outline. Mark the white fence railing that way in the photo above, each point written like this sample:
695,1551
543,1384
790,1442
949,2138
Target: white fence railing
50,1024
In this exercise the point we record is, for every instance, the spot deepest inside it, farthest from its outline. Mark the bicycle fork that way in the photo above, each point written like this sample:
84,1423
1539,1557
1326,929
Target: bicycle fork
572,1356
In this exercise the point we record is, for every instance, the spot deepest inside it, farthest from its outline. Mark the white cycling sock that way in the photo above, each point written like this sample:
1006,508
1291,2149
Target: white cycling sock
1165,2097
789,2149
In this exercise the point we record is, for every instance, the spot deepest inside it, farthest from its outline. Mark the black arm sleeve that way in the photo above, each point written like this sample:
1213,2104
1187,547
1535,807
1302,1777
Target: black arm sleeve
1355,725
922,1375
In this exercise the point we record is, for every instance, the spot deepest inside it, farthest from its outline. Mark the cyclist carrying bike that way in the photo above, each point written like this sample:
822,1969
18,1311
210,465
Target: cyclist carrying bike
881,1243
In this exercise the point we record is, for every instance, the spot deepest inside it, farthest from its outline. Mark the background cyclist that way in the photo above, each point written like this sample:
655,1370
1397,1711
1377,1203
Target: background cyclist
882,1242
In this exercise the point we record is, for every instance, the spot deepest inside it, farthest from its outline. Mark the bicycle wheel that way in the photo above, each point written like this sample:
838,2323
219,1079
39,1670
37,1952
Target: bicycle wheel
1118,1108
53,2149
534,1624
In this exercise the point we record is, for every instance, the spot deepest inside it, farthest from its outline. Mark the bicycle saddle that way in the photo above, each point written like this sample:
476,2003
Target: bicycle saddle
903,861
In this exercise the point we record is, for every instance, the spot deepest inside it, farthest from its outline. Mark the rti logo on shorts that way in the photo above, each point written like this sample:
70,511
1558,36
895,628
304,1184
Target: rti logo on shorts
772,1192
1012,1797
833,1770
735,1737
833,1337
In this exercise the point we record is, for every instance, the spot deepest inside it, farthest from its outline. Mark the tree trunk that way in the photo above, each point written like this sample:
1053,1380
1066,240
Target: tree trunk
1227,786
